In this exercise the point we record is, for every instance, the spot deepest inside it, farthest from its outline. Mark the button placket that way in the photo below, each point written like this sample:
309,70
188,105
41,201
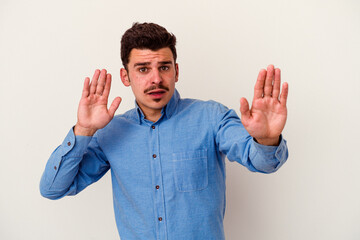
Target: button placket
157,181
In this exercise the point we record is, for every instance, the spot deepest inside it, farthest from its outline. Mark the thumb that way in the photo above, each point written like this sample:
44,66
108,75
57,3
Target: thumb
114,106
244,108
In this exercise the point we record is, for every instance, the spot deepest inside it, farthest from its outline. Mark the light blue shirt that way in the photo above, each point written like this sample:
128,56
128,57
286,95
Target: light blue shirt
168,177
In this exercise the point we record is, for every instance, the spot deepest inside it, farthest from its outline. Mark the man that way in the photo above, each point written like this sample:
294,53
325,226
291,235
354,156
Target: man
167,155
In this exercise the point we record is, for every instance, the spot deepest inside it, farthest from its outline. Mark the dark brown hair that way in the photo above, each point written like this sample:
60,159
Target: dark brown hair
146,36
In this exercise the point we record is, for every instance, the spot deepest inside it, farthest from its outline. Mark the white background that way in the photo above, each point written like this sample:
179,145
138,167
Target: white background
47,48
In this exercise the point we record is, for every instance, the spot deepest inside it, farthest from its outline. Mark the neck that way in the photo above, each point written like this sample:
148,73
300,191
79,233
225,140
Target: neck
153,116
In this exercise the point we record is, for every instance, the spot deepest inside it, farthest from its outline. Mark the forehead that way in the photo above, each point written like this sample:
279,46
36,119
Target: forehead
150,56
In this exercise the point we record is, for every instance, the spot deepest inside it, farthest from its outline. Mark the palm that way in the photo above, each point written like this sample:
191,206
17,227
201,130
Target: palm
267,117
93,113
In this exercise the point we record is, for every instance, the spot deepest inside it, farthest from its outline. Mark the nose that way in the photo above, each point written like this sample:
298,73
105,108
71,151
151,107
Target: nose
156,77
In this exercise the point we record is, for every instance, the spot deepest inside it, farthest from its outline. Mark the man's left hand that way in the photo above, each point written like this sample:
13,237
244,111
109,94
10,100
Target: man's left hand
267,117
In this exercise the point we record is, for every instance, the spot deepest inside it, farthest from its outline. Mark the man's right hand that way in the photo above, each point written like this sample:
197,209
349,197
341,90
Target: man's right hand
92,112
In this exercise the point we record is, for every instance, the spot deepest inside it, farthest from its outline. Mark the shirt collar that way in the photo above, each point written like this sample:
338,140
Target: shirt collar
167,111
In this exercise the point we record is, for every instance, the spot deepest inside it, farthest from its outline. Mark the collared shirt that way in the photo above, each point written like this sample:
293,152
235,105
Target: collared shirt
168,177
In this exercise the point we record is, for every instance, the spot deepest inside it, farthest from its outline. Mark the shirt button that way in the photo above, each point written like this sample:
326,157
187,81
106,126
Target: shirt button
55,167
153,127
160,219
157,187
154,155
69,143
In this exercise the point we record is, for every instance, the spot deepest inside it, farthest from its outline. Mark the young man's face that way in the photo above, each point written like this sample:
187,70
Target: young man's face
152,76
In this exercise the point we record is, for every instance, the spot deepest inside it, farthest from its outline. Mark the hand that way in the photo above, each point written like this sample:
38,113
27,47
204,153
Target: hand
92,112
267,117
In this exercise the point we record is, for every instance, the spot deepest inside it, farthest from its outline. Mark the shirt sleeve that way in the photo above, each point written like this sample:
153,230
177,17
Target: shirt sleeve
75,164
236,143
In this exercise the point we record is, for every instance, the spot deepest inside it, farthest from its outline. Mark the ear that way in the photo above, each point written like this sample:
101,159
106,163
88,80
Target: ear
124,77
177,72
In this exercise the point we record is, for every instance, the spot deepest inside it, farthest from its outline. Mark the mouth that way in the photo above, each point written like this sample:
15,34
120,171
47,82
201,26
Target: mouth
158,93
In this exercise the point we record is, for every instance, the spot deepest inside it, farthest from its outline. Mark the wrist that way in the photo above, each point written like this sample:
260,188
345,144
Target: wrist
81,131
268,141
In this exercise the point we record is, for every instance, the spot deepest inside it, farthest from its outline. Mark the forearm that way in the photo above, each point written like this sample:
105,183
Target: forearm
238,145
62,167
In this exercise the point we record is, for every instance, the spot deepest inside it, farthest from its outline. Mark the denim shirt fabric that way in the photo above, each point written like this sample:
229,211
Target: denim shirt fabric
168,177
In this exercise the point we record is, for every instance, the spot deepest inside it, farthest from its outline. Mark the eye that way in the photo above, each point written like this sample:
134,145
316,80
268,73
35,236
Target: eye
164,68
143,69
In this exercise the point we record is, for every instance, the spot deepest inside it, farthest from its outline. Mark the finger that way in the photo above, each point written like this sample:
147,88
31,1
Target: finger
107,85
101,82
269,80
284,94
277,81
244,108
94,81
114,106
259,86
86,88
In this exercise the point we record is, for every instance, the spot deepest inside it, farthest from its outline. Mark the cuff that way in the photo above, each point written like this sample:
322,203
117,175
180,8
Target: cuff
74,146
273,157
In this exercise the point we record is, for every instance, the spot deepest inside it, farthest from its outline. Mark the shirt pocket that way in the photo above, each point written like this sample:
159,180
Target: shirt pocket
190,170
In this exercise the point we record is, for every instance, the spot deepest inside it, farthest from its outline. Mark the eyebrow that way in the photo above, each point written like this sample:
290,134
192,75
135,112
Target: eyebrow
148,63
166,62
141,64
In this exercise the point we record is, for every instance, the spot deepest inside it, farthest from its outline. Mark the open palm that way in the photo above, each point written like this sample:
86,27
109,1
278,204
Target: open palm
93,113
267,117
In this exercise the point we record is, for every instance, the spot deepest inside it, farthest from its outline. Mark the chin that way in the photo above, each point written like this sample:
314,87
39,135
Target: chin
158,105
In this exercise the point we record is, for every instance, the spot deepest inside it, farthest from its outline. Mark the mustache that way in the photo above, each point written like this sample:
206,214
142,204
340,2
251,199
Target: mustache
156,87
